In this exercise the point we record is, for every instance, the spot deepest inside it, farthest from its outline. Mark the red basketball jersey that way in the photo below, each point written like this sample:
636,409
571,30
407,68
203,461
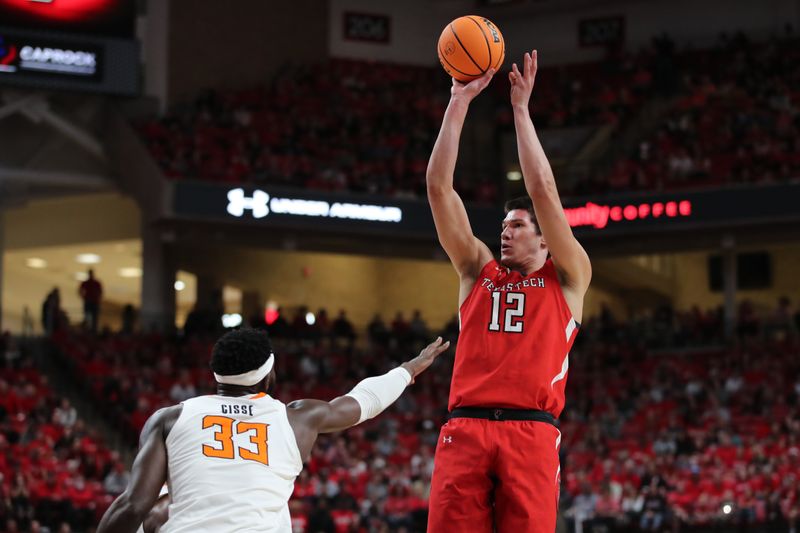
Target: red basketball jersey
513,349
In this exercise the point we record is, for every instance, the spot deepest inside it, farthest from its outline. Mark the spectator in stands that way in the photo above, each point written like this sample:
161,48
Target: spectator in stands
781,324
377,331
10,352
51,311
116,480
323,324
91,292
320,519
183,389
583,506
607,509
748,324
418,329
27,322
65,414
128,319
280,328
20,500
400,329
342,328
80,503
655,507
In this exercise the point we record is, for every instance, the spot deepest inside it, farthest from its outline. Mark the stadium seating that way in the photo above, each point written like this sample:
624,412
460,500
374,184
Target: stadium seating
659,410
734,121
369,127
52,466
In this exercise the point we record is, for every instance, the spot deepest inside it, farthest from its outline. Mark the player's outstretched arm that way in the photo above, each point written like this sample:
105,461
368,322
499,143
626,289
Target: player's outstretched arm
148,475
367,399
568,255
466,252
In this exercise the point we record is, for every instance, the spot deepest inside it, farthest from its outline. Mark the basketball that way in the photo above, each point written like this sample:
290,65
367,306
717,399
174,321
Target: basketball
469,46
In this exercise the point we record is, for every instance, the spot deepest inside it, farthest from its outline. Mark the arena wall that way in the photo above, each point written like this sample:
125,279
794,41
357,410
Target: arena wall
553,28
240,44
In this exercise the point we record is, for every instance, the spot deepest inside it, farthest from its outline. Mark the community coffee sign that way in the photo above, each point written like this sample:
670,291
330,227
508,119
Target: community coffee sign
600,216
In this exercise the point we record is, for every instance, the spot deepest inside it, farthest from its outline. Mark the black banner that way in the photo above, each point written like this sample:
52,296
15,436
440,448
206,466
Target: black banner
60,61
615,215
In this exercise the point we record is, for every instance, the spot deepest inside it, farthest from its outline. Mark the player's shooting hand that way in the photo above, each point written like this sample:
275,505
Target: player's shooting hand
522,83
426,357
470,90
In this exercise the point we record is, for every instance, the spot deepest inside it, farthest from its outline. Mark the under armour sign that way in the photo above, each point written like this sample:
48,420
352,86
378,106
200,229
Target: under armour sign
258,204
262,204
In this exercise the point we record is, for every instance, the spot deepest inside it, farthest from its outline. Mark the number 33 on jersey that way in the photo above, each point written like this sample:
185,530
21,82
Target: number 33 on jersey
226,449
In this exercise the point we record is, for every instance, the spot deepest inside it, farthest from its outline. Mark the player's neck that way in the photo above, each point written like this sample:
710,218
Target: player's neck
526,268
224,389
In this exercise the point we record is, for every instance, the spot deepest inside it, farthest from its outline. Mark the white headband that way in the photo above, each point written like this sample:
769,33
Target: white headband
248,379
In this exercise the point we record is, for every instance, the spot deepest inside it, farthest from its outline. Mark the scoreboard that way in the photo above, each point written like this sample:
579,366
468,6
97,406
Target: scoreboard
81,45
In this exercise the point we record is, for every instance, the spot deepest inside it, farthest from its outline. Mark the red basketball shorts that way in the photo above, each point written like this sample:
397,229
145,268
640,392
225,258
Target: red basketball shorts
495,476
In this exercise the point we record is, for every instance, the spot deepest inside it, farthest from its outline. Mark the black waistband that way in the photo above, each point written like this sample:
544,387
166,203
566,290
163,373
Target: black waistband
489,413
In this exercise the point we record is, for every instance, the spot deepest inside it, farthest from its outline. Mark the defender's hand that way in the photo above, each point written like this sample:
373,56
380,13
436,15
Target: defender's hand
468,91
522,83
425,358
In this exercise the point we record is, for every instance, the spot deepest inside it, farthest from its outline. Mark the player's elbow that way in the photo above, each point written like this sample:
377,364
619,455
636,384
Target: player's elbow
437,190
541,186
135,509
124,510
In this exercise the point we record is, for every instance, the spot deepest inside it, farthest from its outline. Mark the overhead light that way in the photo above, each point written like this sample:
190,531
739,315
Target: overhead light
179,285
87,259
36,262
232,320
81,276
130,272
310,318
513,175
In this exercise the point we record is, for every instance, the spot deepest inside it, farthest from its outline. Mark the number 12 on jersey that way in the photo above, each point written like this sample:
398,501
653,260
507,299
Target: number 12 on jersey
225,438
512,318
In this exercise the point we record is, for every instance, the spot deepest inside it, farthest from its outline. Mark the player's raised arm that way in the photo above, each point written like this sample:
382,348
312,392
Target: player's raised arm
148,475
367,400
466,252
568,255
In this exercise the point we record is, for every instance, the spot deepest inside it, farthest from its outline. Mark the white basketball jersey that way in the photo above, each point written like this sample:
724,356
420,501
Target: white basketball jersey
232,462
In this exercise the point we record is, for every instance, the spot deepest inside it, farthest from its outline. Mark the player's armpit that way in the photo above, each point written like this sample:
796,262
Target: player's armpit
569,257
309,418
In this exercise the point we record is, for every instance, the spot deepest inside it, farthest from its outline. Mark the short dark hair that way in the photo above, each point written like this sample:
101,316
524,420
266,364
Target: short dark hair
524,202
240,351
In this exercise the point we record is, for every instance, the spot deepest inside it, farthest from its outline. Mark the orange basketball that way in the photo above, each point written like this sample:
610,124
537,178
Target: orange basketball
469,46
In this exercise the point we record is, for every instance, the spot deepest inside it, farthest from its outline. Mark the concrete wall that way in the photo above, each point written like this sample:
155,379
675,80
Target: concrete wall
693,289
216,44
360,285
72,220
552,27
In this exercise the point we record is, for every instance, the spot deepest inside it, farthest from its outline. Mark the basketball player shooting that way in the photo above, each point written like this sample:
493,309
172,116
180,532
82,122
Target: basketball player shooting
231,458
496,466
